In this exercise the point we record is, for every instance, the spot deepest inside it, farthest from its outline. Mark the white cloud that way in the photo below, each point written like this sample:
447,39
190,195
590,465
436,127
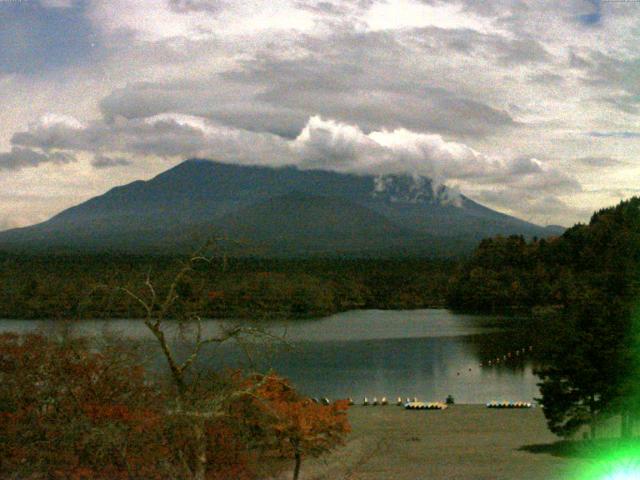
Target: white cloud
322,144
51,120
404,14
337,146
157,20
476,93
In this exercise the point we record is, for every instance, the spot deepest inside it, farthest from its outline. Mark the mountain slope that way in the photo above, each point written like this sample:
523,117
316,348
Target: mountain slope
278,210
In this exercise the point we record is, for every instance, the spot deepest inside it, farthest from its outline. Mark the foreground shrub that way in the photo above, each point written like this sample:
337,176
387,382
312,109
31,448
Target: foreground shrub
68,410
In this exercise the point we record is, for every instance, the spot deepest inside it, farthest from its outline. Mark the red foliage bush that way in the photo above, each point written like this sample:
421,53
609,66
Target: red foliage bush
69,411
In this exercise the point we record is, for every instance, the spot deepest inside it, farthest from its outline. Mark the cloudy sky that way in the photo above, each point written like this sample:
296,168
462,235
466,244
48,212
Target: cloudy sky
530,107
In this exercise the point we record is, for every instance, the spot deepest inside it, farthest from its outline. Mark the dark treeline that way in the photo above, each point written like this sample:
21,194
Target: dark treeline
583,289
511,273
90,286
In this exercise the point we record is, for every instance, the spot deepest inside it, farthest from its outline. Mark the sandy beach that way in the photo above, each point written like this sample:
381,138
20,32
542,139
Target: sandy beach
462,442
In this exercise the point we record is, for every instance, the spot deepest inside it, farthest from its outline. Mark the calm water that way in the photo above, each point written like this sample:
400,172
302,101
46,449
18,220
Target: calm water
425,353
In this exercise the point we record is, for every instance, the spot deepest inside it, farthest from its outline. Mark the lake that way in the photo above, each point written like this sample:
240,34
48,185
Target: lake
427,354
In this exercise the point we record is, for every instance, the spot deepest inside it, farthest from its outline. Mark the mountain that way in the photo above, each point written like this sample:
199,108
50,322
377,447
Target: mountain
274,211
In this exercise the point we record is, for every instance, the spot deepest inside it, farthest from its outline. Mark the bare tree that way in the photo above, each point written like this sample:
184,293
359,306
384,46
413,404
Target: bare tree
158,312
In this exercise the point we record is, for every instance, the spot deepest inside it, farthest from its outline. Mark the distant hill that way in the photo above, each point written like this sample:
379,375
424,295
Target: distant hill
274,211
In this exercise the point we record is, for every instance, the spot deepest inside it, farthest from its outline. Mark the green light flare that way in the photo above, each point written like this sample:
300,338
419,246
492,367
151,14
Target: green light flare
620,462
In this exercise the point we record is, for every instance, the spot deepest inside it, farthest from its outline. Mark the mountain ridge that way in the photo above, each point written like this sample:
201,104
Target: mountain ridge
316,212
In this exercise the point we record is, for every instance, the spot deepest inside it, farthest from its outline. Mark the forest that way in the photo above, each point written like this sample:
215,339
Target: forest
75,407
91,286
582,290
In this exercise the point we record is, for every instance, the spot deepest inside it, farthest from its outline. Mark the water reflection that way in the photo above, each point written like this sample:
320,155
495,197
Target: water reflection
425,353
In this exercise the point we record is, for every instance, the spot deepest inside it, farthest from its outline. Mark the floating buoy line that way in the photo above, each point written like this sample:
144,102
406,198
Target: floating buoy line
495,404
414,404
505,358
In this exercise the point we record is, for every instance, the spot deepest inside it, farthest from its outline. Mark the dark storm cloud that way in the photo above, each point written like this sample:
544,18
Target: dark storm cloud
615,134
236,107
18,158
367,78
335,10
504,51
594,16
144,99
323,8
103,161
163,136
526,174
625,103
603,70
547,78
578,61
618,77
370,79
493,9
36,39
585,13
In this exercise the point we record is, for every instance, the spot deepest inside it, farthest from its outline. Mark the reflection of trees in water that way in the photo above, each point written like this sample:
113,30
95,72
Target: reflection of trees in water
423,356
397,366
498,345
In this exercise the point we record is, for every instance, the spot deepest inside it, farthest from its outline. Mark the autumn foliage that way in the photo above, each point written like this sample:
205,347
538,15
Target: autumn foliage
69,410
293,426
299,424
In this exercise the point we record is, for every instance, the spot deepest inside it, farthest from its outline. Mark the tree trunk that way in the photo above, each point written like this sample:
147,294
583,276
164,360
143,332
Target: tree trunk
593,418
625,425
199,450
296,470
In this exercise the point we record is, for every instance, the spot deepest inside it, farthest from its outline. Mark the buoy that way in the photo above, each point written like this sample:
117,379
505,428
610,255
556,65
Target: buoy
384,401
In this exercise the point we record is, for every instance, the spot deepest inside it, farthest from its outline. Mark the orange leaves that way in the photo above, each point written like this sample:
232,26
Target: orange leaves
297,424
68,411
216,295
138,419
